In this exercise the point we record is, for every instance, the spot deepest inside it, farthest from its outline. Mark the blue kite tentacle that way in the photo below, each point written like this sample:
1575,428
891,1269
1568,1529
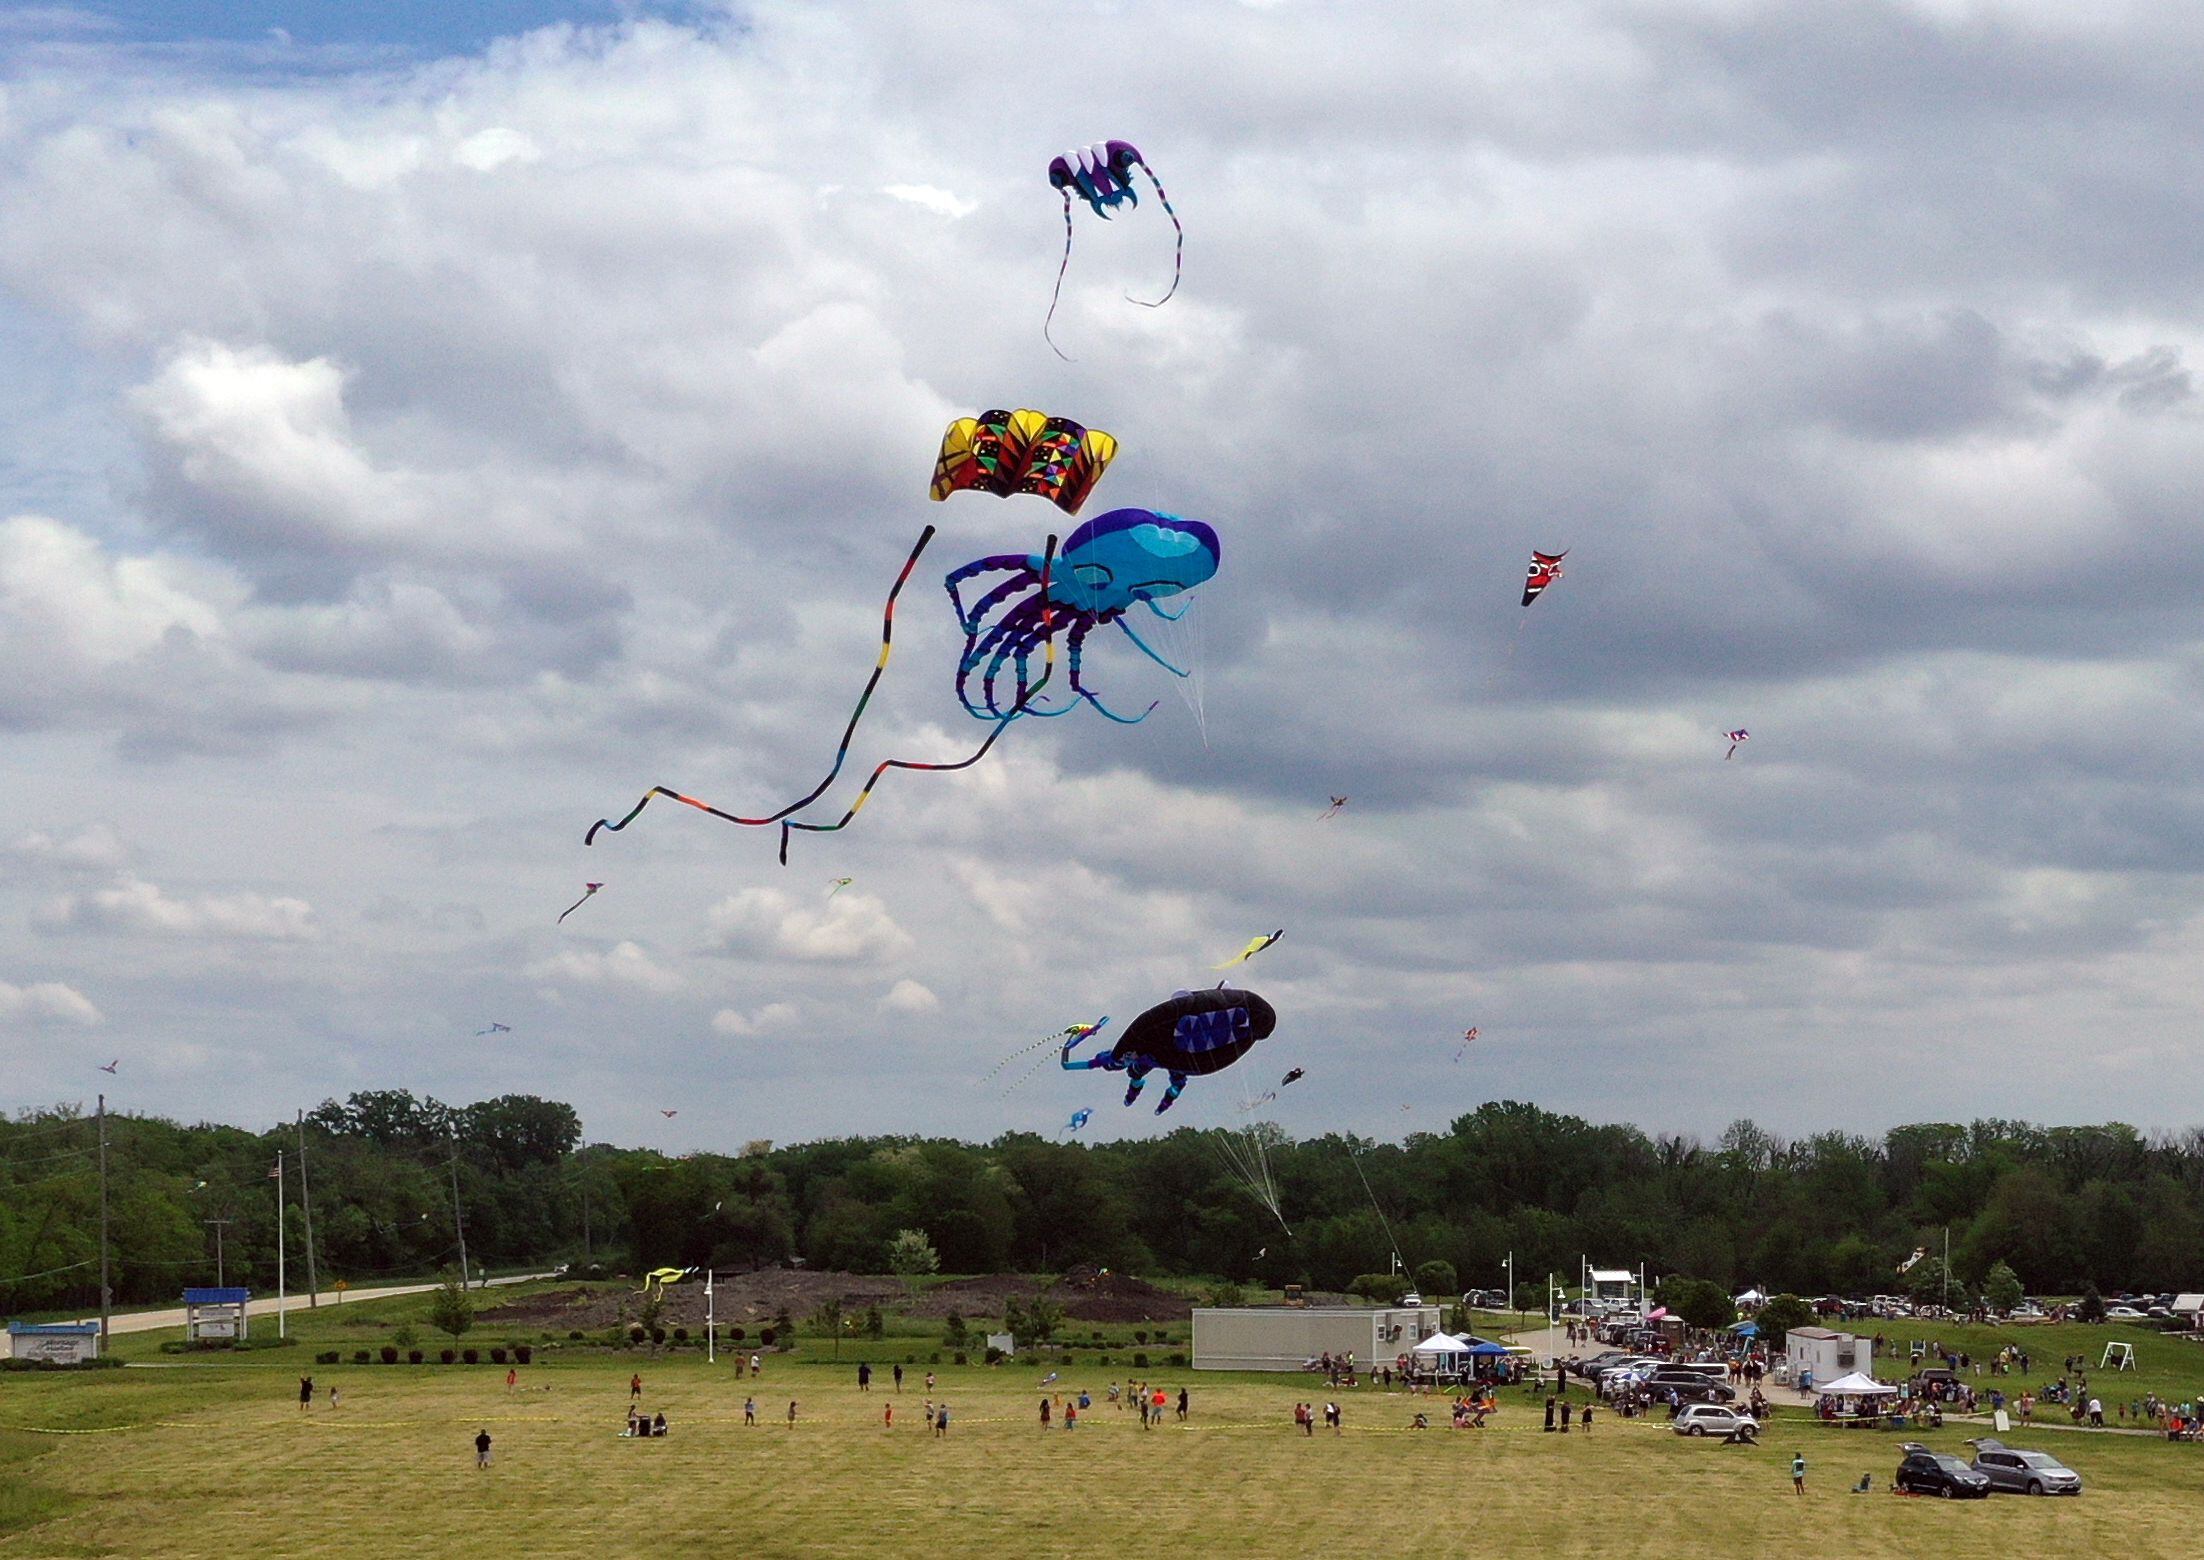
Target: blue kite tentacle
976,567
1077,641
1000,634
1168,617
1127,629
995,598
1178,256
1018,647
1062,267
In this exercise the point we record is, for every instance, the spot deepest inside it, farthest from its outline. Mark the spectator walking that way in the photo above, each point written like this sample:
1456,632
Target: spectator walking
791,1413
482,1448
512,1380
929,1381
888,1418
1044,1413
1182,1405
305,1393
864,1378
332,1395
941,1421
757,1366
1331,1416
1798,1472
899,1378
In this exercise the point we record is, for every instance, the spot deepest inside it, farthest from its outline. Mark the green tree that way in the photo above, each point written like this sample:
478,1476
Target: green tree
1227,1294
828,1319
2001,1289
911,1256
1780,1315
1435,1280
1042,1318
954,1332
451,1308
2091,1306
876,1326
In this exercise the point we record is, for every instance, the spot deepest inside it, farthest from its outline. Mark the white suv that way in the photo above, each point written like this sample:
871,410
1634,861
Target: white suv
1713,1419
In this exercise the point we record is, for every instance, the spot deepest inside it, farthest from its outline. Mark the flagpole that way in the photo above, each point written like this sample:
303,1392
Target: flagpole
280,1320
711,1343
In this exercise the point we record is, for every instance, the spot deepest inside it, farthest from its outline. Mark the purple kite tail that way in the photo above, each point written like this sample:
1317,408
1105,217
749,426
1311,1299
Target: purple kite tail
1059,292
1178,257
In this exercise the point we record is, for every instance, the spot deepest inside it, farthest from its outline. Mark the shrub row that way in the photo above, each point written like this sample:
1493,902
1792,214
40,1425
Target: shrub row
522,1354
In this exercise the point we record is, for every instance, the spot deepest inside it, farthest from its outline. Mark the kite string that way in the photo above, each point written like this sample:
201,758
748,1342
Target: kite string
1062,267
1178,257
849,732
1390,1240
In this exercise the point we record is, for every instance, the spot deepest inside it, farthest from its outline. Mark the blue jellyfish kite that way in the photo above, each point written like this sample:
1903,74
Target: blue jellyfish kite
1079,1118
1102,176
1193,1034
1108,566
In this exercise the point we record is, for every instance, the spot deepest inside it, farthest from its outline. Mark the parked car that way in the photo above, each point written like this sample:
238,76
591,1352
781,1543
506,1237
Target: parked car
2122,1313
2023,1472
1714,1419
1938,1473
1689,1387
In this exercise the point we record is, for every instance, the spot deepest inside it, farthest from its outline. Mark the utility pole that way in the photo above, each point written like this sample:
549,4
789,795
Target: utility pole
220,1277
106,1297
585,1224
281,1295
1518,1310
1947,1270
306,1206
458,1222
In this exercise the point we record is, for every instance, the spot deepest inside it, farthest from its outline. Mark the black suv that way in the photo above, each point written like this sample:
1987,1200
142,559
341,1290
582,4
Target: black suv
1924,1472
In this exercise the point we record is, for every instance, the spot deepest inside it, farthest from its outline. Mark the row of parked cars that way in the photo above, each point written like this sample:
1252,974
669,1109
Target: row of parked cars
1996,1467
1616,1372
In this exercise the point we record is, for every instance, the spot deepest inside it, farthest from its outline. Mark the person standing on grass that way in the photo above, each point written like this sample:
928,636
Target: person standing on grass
791,1413
1331,1417
756,1365
332,1395
512,1380
888,1418
1044,1413
749,1410
1798,1472
864,1378
899,1378
1071,1416
929,1381
1584,1420
1157,1403
941,1421
1182,1405
482,1449
1566,1407
305,1393
635,1387
1549,1413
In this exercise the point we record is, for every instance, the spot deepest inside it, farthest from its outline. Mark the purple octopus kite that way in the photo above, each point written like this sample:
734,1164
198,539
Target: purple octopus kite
1102,176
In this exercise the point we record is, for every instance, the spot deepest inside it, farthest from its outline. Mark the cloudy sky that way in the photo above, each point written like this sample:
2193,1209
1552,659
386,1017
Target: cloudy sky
420,434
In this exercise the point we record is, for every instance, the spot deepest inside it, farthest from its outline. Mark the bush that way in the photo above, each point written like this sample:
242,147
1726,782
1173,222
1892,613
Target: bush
575,1336
390,1354
658,1335
736,1333
1101,1359
326,1357
405,1338
994,1355
447,1355
471,1356
359,1356
681,1335
959,1359
497,1354
1179,1360
105,1363
523,1352
1140,1335
1140,1362
934,1358
765,1336
413,1356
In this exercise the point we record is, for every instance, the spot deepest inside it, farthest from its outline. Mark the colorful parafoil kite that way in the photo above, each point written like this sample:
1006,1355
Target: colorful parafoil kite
1102,176
1022,452
1545,569
588,891
1255,946
1109,565
1740,735
1193,1034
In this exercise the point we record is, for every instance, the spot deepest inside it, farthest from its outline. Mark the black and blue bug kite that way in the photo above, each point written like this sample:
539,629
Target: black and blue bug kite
1193,1034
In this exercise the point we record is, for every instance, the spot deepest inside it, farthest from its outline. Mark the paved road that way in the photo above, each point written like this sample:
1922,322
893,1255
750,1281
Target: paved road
153,1321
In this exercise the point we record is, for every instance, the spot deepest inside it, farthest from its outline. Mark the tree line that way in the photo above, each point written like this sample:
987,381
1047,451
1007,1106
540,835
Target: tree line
397,1180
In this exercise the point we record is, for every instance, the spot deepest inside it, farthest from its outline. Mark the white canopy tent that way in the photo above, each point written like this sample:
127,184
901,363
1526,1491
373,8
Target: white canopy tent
1441,1343
1857,1385
1751,1297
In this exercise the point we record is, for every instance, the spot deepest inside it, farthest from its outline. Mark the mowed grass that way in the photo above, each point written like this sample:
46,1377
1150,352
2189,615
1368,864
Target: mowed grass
2167,1364
217,1459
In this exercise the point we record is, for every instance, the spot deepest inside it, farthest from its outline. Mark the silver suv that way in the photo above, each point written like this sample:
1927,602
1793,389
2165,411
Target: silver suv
2017,1472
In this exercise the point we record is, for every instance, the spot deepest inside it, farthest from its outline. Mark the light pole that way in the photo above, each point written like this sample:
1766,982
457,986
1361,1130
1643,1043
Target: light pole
1518,1310
220,1280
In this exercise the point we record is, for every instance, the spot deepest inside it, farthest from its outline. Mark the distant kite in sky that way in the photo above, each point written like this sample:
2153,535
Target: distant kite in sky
1290,1077
1737,737
1192,1034
496,1029
1545,569
1469,1038
1332,811
588,890
111,1066
1025,451
669,1114
1255,946
839,885
1102,176
1079,1118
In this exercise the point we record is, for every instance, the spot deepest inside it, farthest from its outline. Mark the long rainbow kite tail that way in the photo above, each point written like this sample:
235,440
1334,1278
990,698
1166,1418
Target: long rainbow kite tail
1002,724
1057,295
1178,257
841,753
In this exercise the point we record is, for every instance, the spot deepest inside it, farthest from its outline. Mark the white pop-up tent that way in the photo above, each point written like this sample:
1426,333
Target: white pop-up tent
1442,1343
1857,1385
1751,1297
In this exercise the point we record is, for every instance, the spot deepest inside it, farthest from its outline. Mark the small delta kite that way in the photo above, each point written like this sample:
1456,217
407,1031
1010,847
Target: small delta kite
1735,738
1255,946
1545,569
839,885
588,891
111,1066
669,1114
495,1029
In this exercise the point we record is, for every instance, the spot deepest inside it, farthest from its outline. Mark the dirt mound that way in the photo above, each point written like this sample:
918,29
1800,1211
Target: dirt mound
1094,1295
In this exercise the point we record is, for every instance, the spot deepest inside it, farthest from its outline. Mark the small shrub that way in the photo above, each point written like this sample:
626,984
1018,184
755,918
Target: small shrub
681,1335
471,1356
1179,1360
523,1353
1140,1362
447,1355
359,1356
390,1354
405,1338
959,1358
934,1358
575,1336
765,1336
327,1357
994,1355
497,1354
658,1335
413,1356
736,1333
1101,1359
1063,1359
1140,1335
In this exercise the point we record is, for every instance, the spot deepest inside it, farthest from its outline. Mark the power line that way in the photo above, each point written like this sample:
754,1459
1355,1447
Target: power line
24,1278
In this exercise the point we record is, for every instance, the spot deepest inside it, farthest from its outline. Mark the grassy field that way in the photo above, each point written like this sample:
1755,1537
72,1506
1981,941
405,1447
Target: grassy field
2170,1366
200,1458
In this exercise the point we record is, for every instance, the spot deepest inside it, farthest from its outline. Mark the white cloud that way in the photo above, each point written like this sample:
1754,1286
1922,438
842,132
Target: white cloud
624,964
774,1015
88,847
134,905
486,151
853,927
910,996
46,1002
940,201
